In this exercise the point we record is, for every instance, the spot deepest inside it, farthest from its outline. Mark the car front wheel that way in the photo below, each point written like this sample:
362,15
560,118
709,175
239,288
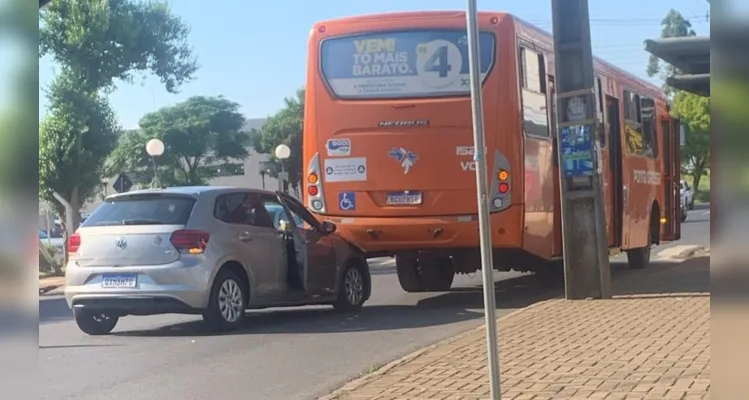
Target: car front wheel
352,290
95,323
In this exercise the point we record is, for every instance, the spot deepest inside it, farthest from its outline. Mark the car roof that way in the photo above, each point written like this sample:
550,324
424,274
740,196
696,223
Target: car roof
192,191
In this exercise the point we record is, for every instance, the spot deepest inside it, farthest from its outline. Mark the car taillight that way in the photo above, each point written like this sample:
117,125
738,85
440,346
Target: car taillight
74,242
190,241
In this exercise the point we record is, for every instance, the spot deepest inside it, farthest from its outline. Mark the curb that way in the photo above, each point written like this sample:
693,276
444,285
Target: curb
693,252
357,383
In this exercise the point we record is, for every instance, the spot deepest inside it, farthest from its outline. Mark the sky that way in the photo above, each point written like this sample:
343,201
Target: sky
254,52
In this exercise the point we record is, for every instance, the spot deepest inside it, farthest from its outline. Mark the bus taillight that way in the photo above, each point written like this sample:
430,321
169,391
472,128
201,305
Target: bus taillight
312,190
504,188
503,175
312,178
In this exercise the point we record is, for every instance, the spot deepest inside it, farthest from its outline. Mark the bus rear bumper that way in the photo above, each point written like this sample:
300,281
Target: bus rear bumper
384,236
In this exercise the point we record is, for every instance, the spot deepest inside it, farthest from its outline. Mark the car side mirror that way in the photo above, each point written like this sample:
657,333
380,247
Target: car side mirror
328,227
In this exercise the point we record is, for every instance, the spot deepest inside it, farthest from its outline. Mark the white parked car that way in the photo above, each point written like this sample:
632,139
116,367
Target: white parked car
687,194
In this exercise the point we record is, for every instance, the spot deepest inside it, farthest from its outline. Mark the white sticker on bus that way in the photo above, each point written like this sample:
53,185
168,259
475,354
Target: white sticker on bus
338,147
468,165
647,177
346,169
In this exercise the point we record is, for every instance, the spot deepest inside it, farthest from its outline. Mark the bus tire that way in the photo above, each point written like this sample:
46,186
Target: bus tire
437,274
640,258
550,274
408,274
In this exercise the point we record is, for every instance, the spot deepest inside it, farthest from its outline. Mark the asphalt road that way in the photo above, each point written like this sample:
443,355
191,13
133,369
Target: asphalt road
284,354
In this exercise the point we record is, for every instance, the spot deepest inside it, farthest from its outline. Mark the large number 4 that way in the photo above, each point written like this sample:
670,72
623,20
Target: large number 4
438,62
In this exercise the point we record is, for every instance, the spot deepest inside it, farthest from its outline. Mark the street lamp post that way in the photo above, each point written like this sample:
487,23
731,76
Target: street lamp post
282,153
487,262
155,148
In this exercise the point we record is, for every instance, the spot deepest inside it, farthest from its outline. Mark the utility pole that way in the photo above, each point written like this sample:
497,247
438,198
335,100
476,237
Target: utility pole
485,241
586,261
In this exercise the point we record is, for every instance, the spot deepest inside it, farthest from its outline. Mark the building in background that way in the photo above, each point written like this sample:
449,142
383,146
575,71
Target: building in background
240,173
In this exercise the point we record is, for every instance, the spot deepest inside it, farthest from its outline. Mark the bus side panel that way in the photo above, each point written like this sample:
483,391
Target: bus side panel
539,198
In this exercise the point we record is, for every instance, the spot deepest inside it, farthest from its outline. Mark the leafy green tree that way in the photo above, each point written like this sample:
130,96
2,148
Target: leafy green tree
103,41
284,127
197,133
75,138
96,43
694,113
673,25
691,109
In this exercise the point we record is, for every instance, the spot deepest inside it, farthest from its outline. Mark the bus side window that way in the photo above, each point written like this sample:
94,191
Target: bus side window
533,91
633,119
649,137
599,113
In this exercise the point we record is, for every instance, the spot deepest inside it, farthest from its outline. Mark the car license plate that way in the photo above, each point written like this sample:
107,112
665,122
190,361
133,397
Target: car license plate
119,281
404,198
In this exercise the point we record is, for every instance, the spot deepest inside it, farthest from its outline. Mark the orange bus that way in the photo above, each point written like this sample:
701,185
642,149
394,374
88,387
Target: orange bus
388,146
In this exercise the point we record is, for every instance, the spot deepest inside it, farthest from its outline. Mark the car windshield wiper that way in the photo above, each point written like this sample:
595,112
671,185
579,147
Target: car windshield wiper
141,222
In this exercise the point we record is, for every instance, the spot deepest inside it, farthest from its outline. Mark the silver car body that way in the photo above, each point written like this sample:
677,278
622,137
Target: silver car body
167,280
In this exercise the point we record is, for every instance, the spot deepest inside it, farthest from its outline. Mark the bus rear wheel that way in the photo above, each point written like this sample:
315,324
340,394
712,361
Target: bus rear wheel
408,273
640,258
437,274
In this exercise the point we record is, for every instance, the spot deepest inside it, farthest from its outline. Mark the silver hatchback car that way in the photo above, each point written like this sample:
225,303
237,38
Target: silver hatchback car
215,251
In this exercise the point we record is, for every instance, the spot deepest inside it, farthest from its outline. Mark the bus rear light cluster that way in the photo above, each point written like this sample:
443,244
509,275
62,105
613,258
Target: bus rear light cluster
503,176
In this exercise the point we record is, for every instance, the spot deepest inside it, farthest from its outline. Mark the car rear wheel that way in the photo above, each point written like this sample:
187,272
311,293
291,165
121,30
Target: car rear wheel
352,291
227,303
95,322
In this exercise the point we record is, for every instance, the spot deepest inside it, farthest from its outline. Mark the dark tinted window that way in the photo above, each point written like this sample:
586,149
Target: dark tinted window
143,210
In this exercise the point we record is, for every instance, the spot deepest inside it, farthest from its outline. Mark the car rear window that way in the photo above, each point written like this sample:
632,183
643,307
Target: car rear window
142,210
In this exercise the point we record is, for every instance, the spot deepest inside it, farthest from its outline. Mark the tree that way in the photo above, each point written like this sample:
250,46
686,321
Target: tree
196,133
694,113
284,127
674,25
75,137
95,43
101,41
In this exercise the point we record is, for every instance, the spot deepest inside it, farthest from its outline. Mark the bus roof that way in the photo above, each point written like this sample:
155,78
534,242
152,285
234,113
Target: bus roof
523,27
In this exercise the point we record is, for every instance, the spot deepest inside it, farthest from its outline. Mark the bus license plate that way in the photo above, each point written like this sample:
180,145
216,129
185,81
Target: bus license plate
404,199
119,281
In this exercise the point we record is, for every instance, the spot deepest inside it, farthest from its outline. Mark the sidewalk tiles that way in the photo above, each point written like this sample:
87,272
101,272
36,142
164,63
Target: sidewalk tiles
630,347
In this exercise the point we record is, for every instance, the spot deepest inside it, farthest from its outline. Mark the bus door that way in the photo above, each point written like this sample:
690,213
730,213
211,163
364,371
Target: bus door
672,177
616,183
603,128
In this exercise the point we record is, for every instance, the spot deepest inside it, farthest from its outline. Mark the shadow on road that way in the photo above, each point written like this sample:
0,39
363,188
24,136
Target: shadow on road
690,276
459,304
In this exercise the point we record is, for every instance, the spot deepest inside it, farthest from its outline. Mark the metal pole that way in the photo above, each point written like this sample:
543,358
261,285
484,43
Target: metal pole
584,236
487,262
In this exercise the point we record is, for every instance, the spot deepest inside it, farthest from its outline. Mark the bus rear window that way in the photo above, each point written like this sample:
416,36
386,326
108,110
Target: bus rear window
396,65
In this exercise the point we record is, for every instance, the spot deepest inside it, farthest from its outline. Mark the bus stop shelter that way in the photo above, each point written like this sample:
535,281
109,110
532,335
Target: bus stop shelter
690,56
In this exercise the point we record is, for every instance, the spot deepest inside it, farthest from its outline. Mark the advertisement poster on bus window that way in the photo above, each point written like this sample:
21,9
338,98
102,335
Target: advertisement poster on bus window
422,63
576,145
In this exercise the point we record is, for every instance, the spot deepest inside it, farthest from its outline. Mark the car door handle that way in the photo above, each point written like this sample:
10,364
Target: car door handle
245,237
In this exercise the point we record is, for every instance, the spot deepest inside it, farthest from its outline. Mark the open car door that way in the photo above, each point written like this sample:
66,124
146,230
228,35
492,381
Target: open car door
672,177
318,256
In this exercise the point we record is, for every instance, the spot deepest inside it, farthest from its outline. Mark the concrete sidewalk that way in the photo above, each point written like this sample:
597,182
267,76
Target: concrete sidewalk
52,285
651,342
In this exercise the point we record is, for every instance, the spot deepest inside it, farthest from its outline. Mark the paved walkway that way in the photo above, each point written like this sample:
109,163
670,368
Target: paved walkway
640,345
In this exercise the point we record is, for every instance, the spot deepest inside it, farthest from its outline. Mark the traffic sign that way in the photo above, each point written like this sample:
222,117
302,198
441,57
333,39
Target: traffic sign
123,183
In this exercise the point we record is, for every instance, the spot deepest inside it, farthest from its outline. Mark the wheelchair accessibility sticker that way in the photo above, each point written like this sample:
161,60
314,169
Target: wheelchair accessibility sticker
347,201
